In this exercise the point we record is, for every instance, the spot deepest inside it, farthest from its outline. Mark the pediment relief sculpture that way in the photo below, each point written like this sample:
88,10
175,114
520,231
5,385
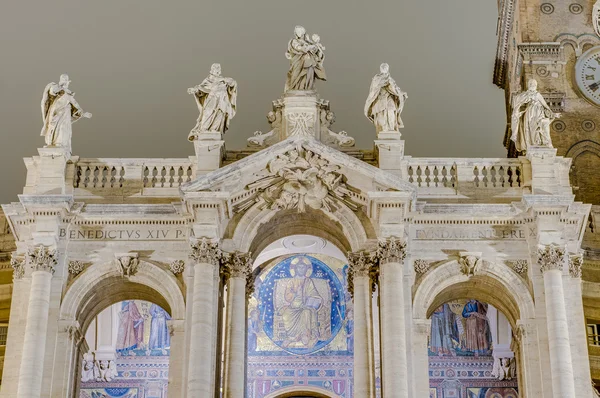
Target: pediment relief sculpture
299,179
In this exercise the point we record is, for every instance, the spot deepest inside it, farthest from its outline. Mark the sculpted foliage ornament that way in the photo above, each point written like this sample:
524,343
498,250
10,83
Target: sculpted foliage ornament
575,265
177,266
361,264
550,257
300,178
391,250
205,251
470,263
520,266
18,265
41,258
128,264
421,266
75,267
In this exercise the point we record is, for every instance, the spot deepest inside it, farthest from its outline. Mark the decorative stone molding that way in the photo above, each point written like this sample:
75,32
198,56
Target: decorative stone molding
421,266
17,263
177,266
575,264
300,178
75,267
205,251
520,266
507,11
550,257
469,262
391,250
361,264
42,258
504,368
127,263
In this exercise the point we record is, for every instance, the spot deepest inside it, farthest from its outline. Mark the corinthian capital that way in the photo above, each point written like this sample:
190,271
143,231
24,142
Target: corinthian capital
42,258
361,264
205,251
391,250
550,257
237,264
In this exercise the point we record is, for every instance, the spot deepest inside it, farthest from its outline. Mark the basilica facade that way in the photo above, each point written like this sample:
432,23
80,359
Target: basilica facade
302,266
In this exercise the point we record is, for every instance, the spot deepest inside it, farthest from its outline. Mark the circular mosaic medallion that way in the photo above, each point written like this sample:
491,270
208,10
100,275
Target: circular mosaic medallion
576,8
588,125
547,8
559,126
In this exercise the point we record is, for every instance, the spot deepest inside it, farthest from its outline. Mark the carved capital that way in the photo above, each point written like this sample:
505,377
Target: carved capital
127,263
42,258
17,262
205,251
177,266
550,257
362,264
470,262
237,264
575,264
391,250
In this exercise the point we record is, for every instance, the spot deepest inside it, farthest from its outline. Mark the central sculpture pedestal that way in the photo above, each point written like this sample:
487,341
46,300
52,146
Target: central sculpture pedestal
301,114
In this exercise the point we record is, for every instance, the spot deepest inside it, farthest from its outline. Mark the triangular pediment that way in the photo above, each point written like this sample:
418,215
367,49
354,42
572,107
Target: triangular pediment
235,176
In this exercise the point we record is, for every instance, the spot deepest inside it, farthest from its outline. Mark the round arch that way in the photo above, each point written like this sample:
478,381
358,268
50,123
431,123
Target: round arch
257,228
583,146
304,391
494,283
102,285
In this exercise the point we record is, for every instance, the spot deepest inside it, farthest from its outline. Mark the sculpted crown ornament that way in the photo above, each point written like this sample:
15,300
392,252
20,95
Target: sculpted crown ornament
41,258
205,251
550,257
300,178
391,250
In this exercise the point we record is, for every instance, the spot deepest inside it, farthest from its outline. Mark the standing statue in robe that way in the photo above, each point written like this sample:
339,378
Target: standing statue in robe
131,327
160,338
385,102
216,98
306,55
59,112
477,328
531,118
299,313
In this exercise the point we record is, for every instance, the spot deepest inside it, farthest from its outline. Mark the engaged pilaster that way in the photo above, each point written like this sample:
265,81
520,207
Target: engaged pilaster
394,370
203,332
238,269
362,265
551,259
42,260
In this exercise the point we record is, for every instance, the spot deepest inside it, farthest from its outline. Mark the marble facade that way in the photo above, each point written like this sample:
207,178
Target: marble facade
189,235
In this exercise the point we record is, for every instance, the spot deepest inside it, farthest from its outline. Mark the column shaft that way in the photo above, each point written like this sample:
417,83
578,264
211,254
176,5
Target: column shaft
30,377
363,364
202,332
235,339
421,328
394,370
558,335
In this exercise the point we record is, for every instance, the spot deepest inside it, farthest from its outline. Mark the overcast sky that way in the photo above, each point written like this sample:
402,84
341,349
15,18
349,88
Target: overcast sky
131,63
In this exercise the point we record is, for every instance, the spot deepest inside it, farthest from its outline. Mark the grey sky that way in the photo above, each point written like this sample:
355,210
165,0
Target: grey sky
131,62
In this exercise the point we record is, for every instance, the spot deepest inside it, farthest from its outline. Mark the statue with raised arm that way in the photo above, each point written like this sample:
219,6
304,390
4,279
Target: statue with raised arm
531,118
59,112
306,55
385,102
216,99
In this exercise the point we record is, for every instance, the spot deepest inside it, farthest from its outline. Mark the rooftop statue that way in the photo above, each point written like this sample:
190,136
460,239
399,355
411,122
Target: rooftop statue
216,99
306,55
531,118
59,112
385,102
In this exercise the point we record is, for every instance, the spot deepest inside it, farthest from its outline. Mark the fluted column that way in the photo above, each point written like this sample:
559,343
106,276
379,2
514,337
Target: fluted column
237,267
203,331
361,265
551,259
42,261
394,371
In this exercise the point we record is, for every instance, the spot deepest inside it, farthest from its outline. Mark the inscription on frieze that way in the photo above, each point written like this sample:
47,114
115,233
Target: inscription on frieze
123,234
465,233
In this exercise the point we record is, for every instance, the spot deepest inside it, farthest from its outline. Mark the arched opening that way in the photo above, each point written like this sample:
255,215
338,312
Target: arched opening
128,349
300,320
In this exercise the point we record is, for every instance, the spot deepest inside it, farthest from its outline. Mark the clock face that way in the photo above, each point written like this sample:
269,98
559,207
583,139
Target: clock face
587,74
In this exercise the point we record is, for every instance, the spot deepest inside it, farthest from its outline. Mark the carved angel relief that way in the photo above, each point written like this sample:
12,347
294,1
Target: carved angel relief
128,264
300,178
469,263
